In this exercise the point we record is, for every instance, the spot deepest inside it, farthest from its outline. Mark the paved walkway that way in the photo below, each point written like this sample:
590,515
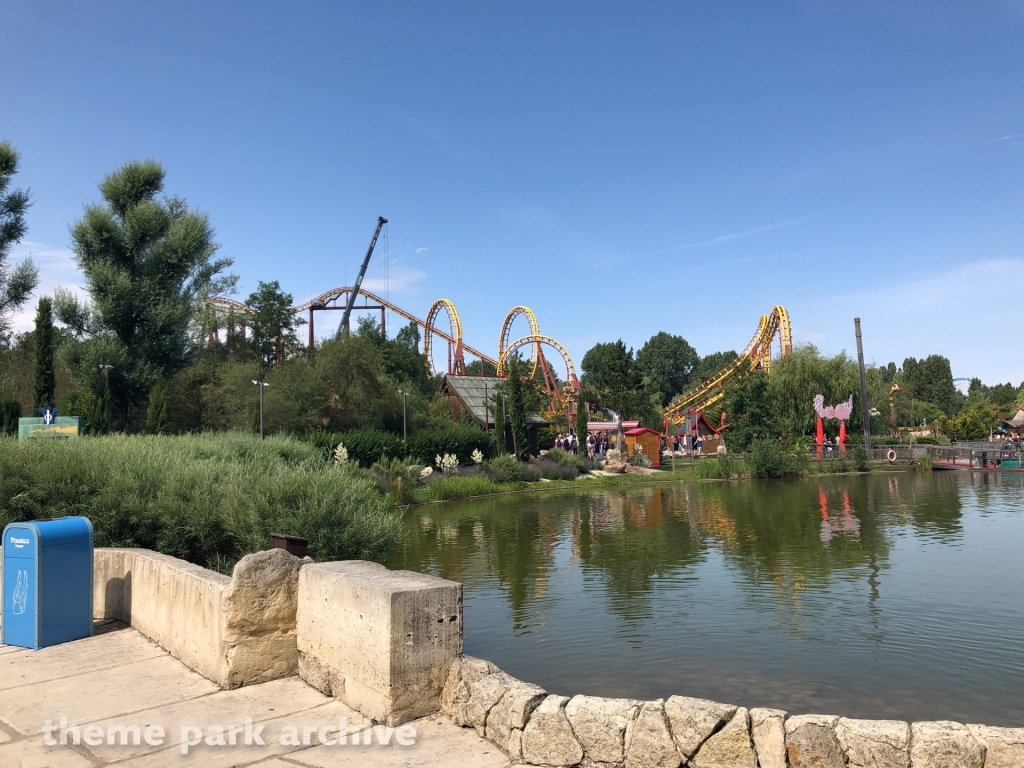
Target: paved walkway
119,678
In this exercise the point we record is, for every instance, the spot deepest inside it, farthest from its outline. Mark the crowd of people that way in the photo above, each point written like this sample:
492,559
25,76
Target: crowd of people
596,445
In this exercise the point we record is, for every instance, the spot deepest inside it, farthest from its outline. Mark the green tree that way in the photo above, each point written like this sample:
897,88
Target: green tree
712,364
16,282
798,377
931,379
272,323
156,413
750,411
581,427
516,398
669,363
149,266
44,379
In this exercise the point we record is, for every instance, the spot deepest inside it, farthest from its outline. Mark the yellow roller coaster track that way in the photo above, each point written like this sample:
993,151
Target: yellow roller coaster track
506,330
329,298
758,354
570,370
455,324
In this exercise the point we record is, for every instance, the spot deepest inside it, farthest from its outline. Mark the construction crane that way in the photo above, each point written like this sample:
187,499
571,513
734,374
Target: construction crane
381,221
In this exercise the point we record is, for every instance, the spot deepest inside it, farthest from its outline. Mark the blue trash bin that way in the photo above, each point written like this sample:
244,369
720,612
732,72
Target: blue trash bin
47,582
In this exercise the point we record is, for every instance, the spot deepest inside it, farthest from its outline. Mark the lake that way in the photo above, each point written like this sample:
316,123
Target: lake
883,596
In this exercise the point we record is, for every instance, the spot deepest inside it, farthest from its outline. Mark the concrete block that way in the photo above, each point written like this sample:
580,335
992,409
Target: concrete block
391,635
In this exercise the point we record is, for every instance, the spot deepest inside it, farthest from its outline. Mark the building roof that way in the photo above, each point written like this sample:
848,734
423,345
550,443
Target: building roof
473,391
690,422
1016,422
642,431
611,426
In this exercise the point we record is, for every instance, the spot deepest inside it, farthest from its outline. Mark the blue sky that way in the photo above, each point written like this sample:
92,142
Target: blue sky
619,168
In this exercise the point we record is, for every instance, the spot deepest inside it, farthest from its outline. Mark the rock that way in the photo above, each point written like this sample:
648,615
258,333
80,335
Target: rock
548,738
1004,747
511,714
875,743
692,721
650,744
730,747
259,608
811,742
614,467
944,744
600,725
328,681
768,728
483,695
464,668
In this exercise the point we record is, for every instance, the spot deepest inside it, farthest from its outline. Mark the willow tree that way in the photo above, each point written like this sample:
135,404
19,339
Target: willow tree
149,264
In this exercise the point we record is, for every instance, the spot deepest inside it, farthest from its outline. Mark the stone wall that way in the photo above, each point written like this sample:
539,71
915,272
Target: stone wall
535,728
235,631
381,641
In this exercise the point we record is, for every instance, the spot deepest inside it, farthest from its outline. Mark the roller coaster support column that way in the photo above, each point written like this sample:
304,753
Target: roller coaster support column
865,413
310,327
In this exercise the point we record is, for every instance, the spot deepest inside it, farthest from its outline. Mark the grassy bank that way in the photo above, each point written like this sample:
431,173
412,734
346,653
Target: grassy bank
208,499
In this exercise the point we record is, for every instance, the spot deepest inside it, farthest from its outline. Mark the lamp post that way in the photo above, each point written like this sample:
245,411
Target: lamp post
404,396
261,385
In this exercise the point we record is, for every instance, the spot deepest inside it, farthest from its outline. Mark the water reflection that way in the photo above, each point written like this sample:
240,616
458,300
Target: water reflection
862,595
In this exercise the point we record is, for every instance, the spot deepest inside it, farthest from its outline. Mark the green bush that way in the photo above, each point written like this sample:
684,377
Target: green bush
562,458
504,469
926,461
364,446
719,467
208,499
10,412
426,444
860,459
551,470
450,487
772,458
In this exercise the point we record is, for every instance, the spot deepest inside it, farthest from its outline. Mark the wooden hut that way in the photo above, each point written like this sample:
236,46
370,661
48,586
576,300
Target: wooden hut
649,441
696,425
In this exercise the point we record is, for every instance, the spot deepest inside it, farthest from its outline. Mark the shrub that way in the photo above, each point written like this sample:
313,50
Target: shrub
554,471
926,461
719,467
10,412
771,458
640,460
208,499
504,469
860,459
426,444
364,446
448,487
530,473
562,458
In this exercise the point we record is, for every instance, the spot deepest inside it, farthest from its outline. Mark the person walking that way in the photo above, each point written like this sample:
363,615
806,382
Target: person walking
591,445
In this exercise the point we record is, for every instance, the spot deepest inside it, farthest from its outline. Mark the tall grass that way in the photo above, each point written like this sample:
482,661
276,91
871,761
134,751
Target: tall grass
208,499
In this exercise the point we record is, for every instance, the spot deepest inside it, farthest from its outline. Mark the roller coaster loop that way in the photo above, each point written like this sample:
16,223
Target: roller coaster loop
758,354
506,330
455,326
571,382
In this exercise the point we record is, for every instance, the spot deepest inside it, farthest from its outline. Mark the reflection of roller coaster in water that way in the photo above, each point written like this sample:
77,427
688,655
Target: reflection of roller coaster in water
224,313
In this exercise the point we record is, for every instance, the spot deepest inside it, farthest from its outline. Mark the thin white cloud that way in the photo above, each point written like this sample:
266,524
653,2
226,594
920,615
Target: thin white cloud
57,269
725,238
422,250
1005,138
962,313
400,280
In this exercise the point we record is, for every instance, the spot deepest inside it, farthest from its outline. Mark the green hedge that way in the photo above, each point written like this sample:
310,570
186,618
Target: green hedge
208,499
426,444
364,446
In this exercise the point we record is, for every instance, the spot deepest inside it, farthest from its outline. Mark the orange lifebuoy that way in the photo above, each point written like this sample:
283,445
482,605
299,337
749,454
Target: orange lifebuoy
891,456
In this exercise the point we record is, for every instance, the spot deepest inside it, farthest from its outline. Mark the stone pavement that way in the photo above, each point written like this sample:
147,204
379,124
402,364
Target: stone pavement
121,679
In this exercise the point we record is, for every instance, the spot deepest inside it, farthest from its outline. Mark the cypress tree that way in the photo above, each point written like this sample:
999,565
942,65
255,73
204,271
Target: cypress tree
156,413
517,407
44,380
